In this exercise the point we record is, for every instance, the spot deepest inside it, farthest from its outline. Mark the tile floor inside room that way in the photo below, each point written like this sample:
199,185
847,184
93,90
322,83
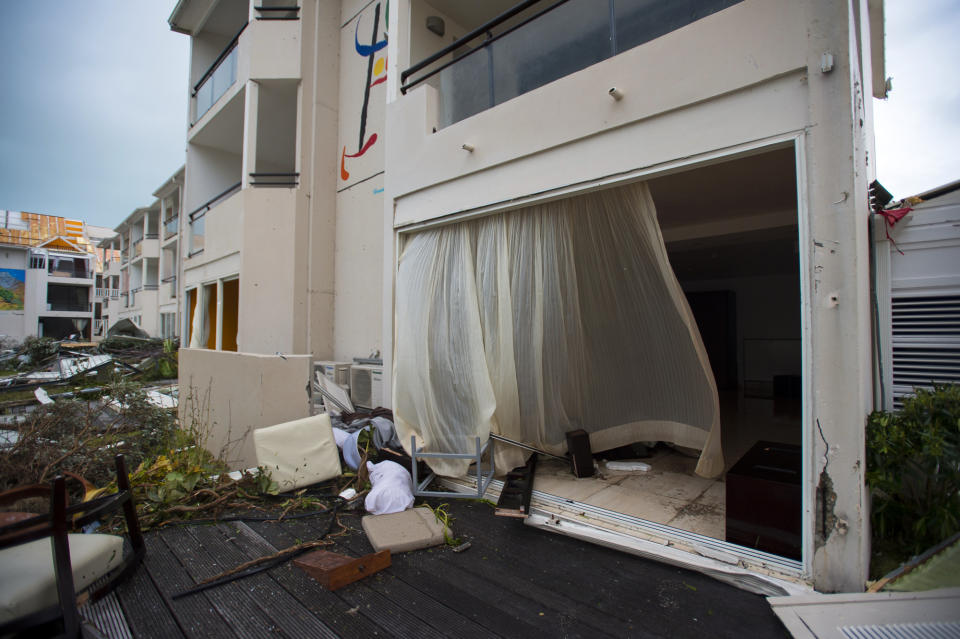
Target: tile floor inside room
670,493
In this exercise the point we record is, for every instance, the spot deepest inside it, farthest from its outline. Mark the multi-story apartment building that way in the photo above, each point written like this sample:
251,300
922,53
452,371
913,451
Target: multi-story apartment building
516,203
48,270
143,281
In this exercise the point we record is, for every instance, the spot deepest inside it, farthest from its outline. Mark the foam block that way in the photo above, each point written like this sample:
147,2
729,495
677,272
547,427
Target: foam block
412,529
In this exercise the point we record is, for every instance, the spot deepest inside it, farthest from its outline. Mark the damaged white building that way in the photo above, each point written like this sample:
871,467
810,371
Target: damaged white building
647,220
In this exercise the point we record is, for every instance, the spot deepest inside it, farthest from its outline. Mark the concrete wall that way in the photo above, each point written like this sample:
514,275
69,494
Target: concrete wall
273,269
228,395
359,236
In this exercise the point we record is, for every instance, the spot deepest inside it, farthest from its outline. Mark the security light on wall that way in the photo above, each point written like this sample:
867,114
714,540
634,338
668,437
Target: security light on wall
436,25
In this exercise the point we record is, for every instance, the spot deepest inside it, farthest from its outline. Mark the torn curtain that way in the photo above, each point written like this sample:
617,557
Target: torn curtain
539,321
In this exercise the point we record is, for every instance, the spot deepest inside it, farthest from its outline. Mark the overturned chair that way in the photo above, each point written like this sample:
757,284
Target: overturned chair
43,566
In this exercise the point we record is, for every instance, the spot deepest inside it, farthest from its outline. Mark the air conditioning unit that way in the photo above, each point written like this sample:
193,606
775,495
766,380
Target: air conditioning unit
366,385
336,372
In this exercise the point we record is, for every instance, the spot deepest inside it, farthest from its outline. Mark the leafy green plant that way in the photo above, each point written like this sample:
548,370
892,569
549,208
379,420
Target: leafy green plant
913,472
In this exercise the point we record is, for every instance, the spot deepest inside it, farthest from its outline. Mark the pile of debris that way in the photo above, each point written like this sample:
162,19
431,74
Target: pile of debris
43,361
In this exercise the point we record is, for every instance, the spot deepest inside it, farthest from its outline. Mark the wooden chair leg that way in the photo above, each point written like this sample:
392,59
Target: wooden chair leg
129,507
61,561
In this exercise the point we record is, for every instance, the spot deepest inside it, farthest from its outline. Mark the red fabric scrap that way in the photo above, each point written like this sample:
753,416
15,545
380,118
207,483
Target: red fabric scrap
892,216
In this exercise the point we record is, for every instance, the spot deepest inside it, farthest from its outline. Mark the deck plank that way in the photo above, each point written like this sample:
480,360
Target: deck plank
326,605
641,592
195,616
144,608
393,619
287,615
231,601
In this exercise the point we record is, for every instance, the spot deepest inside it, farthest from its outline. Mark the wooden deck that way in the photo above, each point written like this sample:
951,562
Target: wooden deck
514,581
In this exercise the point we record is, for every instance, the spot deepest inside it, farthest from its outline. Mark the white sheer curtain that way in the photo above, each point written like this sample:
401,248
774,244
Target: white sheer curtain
539,321
200,323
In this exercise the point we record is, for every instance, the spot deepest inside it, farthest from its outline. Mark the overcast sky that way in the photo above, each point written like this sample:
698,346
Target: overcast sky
93,108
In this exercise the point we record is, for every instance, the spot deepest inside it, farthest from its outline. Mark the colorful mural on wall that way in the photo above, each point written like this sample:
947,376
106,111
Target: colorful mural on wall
12,289
375,74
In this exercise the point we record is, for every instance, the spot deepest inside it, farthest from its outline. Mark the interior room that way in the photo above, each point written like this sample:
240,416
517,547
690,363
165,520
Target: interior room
730,230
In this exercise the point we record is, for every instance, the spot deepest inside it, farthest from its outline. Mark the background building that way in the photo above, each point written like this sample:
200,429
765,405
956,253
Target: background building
47,274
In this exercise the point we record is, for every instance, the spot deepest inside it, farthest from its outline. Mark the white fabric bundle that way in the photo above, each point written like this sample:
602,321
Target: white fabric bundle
391,488
547,319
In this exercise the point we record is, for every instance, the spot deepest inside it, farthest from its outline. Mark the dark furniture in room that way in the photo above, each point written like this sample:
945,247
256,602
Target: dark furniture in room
763,499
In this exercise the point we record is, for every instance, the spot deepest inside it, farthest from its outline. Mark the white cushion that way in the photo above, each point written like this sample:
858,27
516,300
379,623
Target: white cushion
298,453
27,580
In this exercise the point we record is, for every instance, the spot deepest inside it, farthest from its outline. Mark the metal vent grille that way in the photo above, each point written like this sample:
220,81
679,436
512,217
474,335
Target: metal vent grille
929,630
926,343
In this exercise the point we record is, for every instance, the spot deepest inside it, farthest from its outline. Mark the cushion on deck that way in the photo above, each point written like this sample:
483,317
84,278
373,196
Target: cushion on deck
412,529
298,453
27,581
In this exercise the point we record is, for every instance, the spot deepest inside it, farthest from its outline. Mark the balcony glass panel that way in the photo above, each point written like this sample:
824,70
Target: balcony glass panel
170,227
465,88
564,40
217,83
571,37
639,21
196,235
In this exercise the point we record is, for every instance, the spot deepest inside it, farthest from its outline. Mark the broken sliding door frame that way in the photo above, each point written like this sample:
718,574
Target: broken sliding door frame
791,569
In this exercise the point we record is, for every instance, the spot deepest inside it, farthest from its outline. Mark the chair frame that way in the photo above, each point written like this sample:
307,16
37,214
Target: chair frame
56,525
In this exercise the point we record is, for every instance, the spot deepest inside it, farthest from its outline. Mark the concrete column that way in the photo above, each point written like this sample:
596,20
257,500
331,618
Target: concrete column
250,115
398,48
839,311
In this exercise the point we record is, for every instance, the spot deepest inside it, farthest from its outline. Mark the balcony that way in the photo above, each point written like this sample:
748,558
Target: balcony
170,284
545,45
99,327
218,78
266,49
106,293
66,271
170,227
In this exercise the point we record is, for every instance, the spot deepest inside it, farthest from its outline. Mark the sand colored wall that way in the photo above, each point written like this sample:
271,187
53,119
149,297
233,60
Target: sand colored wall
231,394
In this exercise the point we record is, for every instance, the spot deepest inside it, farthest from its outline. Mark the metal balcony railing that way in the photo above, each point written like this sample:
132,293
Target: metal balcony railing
278,12
73,307
274,179
99,326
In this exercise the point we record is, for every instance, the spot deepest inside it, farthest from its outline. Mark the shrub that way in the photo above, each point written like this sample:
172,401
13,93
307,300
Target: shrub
913,472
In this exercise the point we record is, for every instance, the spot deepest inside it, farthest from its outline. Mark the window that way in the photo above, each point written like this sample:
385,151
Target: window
38,260
168,325
205,327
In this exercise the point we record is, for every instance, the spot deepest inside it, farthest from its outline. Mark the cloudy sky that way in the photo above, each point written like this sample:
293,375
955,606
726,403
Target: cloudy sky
93,108
94,105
